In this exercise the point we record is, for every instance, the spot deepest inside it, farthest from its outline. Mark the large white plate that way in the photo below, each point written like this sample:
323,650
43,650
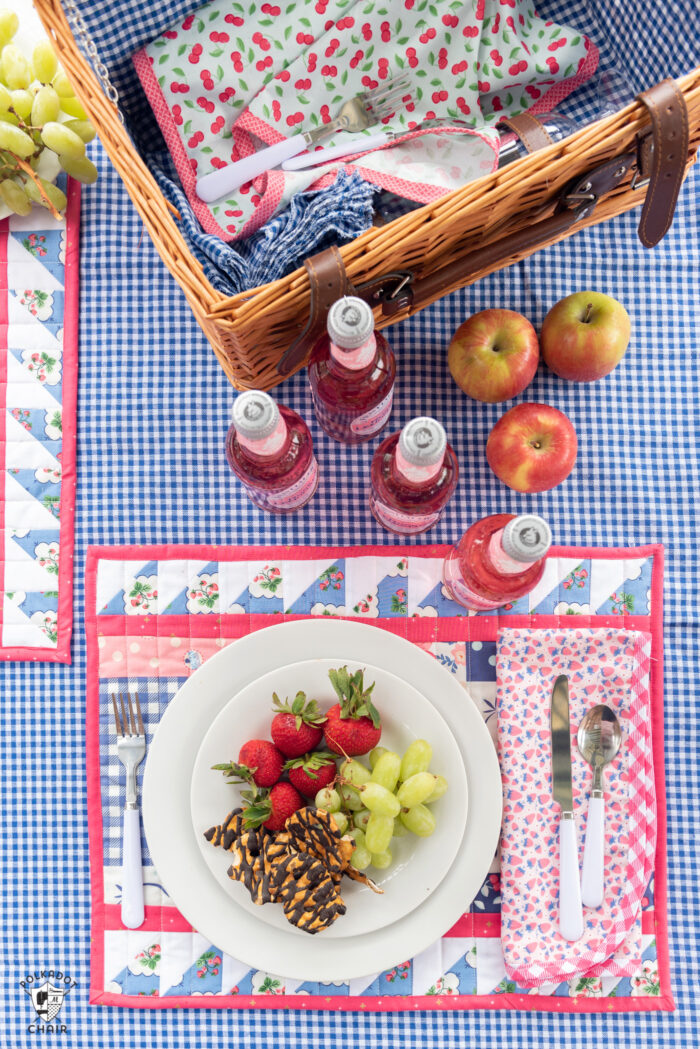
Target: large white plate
174,847
419,864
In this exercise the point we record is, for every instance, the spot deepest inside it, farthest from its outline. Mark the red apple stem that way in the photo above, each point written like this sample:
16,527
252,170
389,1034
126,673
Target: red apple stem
587,314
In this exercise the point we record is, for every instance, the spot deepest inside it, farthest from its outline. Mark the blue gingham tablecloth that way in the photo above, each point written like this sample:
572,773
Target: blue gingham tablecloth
153,412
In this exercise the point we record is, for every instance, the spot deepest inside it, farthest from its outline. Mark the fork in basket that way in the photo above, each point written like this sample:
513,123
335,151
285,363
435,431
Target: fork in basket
131,748
358,113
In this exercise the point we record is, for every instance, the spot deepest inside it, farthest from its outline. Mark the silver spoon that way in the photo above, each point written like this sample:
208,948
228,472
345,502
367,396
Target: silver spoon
599,737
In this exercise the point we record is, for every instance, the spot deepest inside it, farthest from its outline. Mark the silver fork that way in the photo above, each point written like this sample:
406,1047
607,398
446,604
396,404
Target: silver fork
131,747
358,113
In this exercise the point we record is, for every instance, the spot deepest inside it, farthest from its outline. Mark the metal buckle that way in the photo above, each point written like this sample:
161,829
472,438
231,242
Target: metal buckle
406,279
639,183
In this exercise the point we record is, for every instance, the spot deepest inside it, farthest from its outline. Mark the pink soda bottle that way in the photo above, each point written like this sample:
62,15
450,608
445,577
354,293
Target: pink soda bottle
414,475
352,374
497,560
270,450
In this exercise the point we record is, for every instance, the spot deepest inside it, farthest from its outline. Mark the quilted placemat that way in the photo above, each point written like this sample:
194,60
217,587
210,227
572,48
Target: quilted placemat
155,614
38,388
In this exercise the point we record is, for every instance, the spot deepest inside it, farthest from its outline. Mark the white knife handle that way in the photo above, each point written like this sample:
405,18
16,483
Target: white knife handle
132,872
223,181
570,912
357,144
594,853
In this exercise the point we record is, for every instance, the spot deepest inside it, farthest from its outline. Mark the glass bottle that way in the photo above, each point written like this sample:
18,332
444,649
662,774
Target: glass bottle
270,450
497,560
512,148
351,374
414,474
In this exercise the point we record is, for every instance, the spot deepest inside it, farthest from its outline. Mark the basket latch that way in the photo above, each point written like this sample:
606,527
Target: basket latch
662,158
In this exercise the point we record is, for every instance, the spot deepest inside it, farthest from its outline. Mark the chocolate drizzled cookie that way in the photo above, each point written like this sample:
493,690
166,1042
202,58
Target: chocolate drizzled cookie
248,865
315,831
227,832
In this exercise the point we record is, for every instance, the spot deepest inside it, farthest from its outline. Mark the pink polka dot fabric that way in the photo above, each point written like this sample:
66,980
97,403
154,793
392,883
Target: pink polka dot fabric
604,665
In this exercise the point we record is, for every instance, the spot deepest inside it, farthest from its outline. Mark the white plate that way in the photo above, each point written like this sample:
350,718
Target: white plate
419,864
174,848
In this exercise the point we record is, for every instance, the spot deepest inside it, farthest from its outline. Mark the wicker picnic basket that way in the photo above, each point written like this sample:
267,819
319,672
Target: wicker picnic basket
641,154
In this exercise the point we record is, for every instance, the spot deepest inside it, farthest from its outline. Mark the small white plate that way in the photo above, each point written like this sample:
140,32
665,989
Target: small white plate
419,864
174,847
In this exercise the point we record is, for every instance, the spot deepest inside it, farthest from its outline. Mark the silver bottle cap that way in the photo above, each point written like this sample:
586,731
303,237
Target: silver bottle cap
423,441
255,415
527,538
350,322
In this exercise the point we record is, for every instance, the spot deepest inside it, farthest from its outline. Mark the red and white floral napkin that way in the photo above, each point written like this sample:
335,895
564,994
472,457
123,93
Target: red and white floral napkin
232,77
604,665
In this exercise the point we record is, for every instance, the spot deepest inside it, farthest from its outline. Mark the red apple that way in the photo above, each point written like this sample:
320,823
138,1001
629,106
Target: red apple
493,356
585,335
532,447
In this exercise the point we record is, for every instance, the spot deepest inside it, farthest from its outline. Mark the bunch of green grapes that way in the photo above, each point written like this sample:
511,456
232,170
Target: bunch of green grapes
35,98
384,801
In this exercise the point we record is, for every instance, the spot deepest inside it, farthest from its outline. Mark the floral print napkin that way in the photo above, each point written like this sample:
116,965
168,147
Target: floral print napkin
232,77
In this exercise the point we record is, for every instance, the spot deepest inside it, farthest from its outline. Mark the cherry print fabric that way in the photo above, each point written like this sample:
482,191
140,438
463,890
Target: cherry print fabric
234,76
603,666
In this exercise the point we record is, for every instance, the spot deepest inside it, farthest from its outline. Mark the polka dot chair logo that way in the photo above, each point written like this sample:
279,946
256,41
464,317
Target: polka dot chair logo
47,990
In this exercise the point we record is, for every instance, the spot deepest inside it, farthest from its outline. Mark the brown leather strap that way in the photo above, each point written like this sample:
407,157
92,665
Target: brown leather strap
531,131
664,157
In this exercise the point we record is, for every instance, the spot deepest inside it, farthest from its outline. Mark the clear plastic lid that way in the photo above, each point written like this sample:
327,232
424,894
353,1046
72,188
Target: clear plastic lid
350,322
527,538
423,441
255,415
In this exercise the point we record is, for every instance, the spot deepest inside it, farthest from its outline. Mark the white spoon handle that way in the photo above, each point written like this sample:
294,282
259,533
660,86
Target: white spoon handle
132,871
594,853
570,912
226,180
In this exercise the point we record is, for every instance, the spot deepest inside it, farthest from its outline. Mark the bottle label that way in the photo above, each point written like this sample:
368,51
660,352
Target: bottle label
361,357
403,522
417,474
267,445
372,421
293,496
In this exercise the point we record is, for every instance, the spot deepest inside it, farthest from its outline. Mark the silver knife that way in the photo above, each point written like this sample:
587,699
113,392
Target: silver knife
570,911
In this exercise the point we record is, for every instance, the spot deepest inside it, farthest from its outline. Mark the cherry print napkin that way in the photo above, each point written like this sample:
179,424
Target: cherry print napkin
231,78
604,665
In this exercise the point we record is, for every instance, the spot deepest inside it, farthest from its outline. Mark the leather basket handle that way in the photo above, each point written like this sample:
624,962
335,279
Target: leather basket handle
662,158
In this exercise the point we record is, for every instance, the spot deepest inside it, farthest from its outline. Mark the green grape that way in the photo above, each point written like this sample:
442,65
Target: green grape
341,821
10,118
360,818
14,67
382,860
73,108
419,820
416,759
83,128
354,771
45,108
15,197
358,836
361,858
380,830
5,98
416,789
55,195
375,755
386,771
399,829
22,103
16,141
327,799
62,140
350,797
80,168
44,61
379,800
439,789
63,86
9,24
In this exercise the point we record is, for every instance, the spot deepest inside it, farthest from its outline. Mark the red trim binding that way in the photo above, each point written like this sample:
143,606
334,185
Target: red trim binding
160,919
69,399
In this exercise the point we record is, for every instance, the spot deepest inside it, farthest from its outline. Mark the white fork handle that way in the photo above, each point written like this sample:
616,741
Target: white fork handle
223,181
570,912
594,854
356,144
132,871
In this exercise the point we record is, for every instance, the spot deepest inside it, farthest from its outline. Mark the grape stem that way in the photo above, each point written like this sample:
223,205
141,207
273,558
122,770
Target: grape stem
35,178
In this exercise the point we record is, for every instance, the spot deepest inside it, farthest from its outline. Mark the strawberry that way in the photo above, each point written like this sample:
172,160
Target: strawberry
311,772
271,808
298,727
352,726
259,762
